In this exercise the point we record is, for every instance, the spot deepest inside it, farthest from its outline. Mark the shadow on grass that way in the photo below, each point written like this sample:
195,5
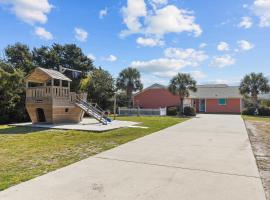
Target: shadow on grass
20,130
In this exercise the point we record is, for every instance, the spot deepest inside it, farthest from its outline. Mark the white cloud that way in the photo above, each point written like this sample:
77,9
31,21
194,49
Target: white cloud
173,61
149,42
245,45
30,11
261,8
158,21
111,58
222,61
148,80
132,14
91,56
103,13
160,2
43,34
171,19
197,74
191,57
246,22
81,34
202,45
157,3
169,74
159,65
223,46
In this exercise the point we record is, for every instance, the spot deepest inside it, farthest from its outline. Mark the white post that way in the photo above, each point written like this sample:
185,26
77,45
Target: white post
114,107
60,89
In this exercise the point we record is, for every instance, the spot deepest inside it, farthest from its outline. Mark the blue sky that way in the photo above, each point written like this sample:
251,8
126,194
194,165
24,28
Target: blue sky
215,41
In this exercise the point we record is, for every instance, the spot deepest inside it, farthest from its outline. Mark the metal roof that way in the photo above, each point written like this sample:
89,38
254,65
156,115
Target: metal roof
55,74
216,91
41,75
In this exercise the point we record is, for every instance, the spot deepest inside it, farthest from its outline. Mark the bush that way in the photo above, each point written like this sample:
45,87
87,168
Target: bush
189,111
264,111
4,119
249,111
265,103
172,111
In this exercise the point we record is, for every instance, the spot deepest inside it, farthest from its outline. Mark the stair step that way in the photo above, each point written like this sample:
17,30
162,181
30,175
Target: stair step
93,111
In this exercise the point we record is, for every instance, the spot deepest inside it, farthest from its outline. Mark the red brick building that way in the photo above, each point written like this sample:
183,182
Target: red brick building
218,98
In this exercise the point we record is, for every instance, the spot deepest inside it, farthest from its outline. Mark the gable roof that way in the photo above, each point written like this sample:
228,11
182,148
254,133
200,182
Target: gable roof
41,75
216,91
155,86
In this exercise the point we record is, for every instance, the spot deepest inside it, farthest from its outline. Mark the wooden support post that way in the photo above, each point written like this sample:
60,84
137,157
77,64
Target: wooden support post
26,86
52,84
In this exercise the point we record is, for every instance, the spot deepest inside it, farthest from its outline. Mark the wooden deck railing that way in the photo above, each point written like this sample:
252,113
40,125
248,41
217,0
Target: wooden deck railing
56,93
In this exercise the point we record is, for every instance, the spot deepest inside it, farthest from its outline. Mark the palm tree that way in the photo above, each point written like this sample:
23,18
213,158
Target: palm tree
254,84
181,84
129,81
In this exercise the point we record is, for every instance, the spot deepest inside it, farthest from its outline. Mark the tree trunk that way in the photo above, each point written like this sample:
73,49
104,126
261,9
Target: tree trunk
255,100
181,106
129,95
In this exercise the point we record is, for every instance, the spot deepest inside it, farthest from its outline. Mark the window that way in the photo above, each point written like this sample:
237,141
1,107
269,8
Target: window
66,110
32,84
56,82
222,101
49,83
65,83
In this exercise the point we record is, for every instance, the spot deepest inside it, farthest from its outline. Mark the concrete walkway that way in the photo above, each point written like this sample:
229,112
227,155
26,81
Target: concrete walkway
206,158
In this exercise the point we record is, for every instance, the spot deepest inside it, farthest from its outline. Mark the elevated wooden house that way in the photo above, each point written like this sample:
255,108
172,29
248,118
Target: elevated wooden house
48,98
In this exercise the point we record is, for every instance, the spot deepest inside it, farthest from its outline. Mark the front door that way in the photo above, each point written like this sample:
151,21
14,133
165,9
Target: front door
202,105
40,115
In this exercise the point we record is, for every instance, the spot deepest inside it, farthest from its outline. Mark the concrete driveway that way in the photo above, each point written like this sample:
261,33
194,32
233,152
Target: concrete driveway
208,157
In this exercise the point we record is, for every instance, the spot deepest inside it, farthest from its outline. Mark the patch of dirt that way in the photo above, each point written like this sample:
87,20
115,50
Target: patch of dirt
259,134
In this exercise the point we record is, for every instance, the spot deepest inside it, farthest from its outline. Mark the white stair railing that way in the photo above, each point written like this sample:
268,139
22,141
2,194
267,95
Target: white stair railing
93,111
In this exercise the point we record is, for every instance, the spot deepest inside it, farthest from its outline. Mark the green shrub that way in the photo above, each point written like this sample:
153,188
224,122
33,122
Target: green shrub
4,119
264,111
172,111
265,103
189,111
249,111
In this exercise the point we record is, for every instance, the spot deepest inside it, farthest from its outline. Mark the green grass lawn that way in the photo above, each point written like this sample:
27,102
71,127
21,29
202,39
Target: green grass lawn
256,118
27,152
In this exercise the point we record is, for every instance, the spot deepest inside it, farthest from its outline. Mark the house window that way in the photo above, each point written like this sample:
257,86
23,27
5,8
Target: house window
222,101
66,110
